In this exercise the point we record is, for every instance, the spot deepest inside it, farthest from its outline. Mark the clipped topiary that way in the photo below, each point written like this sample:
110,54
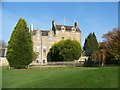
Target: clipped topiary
65,50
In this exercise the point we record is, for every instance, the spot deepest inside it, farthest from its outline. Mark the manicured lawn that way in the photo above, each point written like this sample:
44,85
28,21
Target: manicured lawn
64,77
0,77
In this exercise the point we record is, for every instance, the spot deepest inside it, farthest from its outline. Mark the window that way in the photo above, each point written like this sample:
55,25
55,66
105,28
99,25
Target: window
37,60
63,37
62,28
38,36
38,49
44,48
73,30
44,61
50,37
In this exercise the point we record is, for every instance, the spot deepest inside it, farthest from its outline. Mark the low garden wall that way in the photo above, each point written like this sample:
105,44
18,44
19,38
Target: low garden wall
67,63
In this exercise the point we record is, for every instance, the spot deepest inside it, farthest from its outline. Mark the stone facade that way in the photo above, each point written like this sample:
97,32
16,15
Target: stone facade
3,61
44,39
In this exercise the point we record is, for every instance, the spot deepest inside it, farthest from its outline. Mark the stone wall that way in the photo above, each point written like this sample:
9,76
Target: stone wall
44,43
3,61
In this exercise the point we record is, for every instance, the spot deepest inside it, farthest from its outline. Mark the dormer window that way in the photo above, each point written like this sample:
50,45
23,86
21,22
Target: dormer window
50,37
62,28
73,29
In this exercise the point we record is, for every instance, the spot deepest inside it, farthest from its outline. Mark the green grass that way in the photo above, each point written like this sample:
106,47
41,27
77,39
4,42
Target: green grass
65,77
0,77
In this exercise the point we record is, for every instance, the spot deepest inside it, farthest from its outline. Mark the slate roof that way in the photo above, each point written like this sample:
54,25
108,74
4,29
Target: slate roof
44,32
58,27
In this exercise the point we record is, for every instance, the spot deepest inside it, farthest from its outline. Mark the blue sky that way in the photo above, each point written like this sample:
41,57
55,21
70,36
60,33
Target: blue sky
98,17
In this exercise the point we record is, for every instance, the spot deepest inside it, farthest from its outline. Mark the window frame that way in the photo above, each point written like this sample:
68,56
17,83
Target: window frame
44,49
37,48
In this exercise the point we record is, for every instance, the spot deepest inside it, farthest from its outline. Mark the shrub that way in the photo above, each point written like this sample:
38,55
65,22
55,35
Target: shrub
89,63
65,50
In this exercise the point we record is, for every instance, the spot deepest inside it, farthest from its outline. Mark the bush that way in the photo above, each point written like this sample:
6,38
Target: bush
65,50
89,63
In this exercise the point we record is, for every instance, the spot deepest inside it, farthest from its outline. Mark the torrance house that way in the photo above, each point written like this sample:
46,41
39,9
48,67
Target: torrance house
44,39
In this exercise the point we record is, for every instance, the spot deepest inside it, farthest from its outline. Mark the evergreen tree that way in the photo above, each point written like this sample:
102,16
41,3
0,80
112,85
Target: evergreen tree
84,47
95,43
20,47
90,45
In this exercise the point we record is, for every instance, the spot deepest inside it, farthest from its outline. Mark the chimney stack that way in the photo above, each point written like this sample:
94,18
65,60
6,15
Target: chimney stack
31,27
54,27
53,23
76,24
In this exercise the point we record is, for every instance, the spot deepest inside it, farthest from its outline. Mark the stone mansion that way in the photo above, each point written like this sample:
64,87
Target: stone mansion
44,39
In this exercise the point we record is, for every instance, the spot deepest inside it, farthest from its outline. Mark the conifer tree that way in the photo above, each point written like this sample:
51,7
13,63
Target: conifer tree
20,47
91,44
